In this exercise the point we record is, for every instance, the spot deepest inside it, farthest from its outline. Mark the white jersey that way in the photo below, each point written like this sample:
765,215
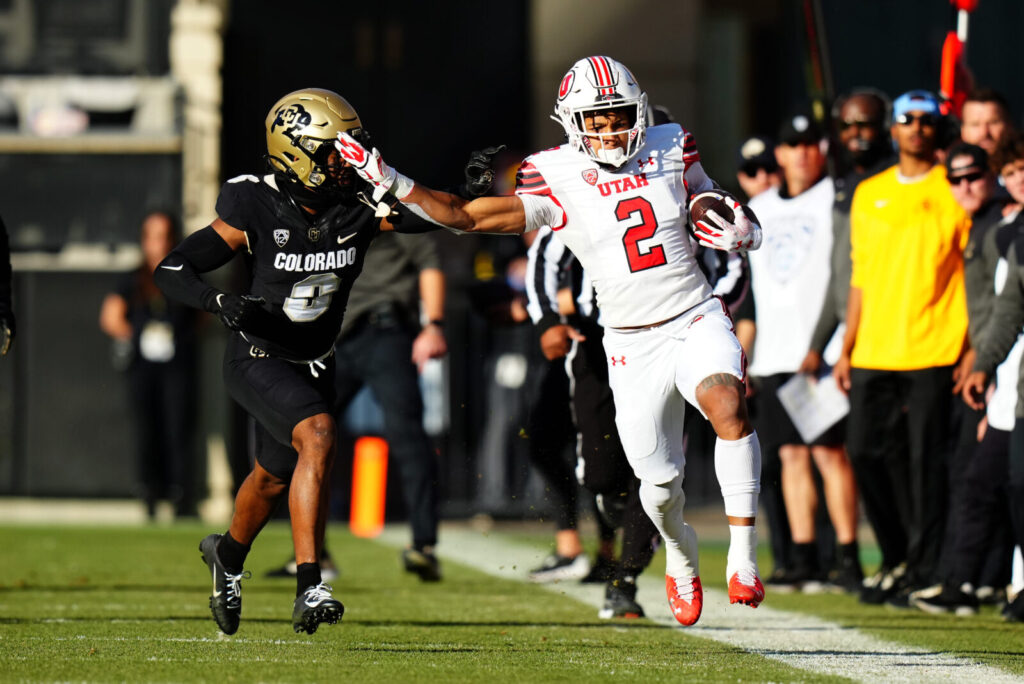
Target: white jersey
627,226
790,274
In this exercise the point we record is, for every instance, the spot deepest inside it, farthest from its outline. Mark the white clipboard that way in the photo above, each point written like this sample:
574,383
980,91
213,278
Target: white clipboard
813,407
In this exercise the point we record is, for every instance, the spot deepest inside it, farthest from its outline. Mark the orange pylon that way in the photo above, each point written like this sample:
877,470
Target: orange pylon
369,486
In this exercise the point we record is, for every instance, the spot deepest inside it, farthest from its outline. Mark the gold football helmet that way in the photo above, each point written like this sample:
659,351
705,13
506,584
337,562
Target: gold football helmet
301,129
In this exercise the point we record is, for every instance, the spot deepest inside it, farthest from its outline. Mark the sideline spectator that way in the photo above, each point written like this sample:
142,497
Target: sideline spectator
789,276
978,556
862,122
998,339
756,167
906,329
985,119
160,337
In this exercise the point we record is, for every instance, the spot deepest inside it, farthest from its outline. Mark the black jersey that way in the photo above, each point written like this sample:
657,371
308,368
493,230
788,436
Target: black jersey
302,268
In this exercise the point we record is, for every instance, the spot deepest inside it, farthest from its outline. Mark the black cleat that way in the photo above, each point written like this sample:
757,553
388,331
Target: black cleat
556,568
887,582
423,563
1014,610
328,569
945,598
226,600
603,570
314,607
847,577
620,601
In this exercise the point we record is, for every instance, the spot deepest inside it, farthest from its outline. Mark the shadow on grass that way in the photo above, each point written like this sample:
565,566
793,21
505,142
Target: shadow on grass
361,623
130,586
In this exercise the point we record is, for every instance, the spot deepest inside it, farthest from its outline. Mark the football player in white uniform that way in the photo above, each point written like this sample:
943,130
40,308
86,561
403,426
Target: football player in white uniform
617,194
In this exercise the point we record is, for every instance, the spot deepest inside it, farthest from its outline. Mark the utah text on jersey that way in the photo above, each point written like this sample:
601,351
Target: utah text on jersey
630,234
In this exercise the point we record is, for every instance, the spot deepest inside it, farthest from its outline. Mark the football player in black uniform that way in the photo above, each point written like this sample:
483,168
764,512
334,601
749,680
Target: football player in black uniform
304,228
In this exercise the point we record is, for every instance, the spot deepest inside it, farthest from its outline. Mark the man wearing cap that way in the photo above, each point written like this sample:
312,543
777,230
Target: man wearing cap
906,328
789,278
756,168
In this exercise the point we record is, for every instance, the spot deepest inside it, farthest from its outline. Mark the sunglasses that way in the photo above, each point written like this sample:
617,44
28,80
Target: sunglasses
845,124
969,177
752,169
924,119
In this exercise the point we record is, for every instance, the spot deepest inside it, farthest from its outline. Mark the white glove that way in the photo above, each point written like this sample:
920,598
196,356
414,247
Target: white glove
739,236
371,168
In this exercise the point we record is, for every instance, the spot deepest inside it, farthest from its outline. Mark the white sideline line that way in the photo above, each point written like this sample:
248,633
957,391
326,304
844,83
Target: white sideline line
795,639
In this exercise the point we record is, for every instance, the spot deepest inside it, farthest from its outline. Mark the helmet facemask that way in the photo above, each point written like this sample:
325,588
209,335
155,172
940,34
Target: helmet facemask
592,143
597,84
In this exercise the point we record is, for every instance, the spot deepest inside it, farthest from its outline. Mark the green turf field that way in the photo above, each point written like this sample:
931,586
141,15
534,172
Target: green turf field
130,604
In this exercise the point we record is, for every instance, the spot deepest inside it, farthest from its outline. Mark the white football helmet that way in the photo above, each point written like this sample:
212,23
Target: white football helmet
596,83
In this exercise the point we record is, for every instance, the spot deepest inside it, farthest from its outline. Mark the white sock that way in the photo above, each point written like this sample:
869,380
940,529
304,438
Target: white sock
742,549
738,467
664,506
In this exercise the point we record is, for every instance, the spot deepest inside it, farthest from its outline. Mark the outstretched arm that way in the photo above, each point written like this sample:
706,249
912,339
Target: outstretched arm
484,215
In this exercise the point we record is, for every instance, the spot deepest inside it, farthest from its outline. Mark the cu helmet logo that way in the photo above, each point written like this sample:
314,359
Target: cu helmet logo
294,116
566,85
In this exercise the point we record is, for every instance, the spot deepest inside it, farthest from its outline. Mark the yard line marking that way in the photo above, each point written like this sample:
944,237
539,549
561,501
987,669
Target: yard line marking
795,639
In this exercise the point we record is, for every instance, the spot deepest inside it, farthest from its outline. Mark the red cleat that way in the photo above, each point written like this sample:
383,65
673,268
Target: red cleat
745,587
685,598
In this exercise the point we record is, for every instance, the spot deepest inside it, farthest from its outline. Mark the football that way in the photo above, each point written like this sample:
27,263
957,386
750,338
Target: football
703,202
719,200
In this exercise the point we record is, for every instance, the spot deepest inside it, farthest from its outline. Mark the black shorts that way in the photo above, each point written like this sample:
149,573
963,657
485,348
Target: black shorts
774,427
279,394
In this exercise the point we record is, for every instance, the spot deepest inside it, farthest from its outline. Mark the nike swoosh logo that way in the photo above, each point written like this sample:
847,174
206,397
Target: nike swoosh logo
346,238
174,268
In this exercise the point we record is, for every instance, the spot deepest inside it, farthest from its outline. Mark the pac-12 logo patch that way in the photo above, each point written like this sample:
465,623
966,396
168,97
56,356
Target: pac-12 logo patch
281,236
590,175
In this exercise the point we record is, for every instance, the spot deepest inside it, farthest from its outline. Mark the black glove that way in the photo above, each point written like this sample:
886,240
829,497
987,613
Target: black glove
7,331
479,173
237,312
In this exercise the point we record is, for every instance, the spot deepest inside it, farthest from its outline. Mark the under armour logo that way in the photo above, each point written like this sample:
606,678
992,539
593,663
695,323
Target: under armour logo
617,360
644,162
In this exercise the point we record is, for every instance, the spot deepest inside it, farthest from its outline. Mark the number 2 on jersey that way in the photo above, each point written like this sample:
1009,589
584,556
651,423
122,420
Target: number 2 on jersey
639,259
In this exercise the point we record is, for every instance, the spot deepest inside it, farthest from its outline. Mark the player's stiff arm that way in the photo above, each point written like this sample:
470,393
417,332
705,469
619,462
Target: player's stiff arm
617,194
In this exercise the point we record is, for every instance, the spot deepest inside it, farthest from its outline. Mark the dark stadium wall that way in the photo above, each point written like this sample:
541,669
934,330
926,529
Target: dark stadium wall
430,84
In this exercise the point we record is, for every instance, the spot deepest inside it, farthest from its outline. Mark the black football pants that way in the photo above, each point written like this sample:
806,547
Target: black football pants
903,489
603,468
380,357
550,431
